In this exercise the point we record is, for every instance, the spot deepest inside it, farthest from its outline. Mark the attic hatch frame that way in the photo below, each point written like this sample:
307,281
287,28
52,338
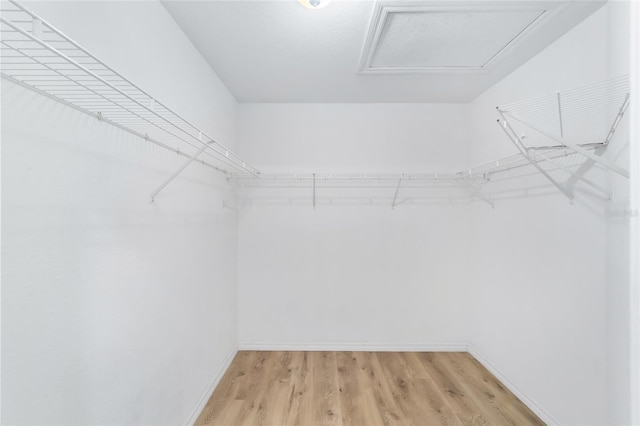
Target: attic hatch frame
38,56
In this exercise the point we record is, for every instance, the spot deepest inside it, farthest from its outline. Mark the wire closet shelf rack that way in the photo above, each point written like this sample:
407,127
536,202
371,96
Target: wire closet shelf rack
563,129
358,188
36,55
555,135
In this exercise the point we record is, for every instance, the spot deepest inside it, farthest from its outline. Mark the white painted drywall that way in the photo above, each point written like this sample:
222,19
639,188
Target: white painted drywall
1,315
115,310
634,156
352,275
551,275
618,234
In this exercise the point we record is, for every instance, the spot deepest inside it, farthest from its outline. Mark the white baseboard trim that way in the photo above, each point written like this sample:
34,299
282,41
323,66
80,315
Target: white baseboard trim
212,386
536,408
356,347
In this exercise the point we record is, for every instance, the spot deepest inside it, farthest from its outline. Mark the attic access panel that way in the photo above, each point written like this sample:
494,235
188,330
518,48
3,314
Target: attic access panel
463,37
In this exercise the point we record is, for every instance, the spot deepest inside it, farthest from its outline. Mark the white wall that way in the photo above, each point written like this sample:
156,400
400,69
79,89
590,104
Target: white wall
618,234
634,156
114,310
551,282
352,275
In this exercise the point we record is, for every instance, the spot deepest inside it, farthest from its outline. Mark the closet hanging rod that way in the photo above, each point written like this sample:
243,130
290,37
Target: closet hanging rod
263,176
518,161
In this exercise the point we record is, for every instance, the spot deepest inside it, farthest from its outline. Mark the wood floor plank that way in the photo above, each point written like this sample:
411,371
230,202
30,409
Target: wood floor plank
253,388
463,406
228,416
494,409
433,395
273,406
409,386
323,401
377,382
298,368
361,388
357,400
499,396
224,393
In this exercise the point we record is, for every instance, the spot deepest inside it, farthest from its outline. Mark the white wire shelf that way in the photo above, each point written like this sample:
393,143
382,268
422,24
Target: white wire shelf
40,57
293,177
358,188
551,155
563,131
584,115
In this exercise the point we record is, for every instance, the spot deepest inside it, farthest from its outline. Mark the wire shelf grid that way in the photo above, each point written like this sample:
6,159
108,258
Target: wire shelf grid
583,115
36,55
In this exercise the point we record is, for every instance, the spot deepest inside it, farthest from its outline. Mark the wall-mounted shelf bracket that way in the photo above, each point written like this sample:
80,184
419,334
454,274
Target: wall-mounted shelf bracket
476,190
314,191
543,157
577,148
180,169
515,139
395,195
616,121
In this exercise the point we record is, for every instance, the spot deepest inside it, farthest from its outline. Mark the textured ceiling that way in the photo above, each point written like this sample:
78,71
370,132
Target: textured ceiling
278,51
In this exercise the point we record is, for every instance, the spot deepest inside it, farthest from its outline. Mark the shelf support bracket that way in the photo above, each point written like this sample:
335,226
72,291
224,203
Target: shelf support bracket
560,115
602,161
314,191
513,137
614,126
395,196
582,178
475,189
177,172
236,194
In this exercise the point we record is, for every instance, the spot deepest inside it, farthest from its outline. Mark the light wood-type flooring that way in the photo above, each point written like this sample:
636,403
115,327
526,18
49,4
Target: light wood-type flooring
361,388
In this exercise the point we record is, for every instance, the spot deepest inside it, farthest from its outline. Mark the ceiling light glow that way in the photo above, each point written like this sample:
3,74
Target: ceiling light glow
314,4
